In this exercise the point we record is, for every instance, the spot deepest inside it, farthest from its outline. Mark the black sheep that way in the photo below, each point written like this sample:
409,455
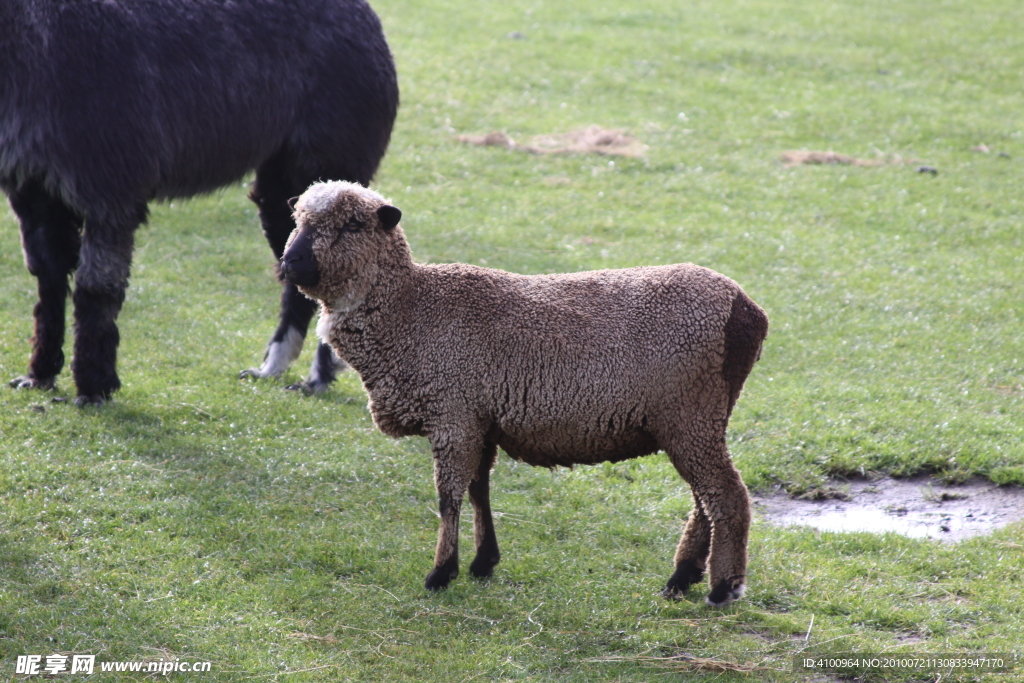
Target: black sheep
107,104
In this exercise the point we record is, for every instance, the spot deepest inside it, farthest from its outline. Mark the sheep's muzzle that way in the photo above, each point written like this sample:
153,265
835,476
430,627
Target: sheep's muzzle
298,265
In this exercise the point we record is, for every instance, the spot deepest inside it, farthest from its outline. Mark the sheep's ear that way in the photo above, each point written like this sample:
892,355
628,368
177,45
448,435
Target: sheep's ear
389,216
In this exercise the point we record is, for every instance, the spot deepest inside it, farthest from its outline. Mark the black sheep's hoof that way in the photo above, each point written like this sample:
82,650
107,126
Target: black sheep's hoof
323,373
91,400
440,577
24,382
686,575
726,591
309,388
483,566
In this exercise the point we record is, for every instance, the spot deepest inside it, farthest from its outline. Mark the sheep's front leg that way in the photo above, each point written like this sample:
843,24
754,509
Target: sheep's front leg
100,282
50,239
455,463
487,554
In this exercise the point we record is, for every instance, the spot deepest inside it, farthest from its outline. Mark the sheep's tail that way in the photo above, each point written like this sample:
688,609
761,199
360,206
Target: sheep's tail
744,332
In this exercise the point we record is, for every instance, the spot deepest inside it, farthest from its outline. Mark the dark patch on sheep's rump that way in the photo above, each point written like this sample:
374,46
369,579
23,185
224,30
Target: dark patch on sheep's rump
745,331
176,97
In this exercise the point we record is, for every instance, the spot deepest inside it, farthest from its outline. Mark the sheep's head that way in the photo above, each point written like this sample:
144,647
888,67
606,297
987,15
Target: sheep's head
342,230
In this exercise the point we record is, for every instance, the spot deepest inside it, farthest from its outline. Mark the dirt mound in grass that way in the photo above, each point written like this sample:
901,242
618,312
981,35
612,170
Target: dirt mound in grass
798,157
920,507
590,140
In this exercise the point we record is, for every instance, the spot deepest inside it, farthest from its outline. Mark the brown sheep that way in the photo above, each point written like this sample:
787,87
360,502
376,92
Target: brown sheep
565,369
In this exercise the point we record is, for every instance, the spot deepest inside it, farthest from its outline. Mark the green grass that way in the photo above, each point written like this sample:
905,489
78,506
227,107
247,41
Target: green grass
284,538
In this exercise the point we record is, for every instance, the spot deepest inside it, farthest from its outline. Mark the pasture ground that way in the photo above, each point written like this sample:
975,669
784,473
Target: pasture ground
283,538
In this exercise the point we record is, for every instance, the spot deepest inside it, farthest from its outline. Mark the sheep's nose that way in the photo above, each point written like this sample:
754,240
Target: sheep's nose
293,259
298,265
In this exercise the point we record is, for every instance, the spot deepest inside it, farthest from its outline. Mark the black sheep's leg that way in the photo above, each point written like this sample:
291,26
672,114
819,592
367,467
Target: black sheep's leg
100,282
50,239
487,554
324,370
273,188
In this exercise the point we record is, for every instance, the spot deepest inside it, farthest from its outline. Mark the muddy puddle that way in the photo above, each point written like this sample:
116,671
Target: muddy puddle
920,508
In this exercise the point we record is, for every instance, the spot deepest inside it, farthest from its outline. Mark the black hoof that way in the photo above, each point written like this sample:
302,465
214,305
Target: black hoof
686,574
90,400
250,372
309,388
31,383
440,577
726,591
483,566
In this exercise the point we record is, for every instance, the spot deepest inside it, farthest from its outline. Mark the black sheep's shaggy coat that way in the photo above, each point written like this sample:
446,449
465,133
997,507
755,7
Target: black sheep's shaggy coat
107,104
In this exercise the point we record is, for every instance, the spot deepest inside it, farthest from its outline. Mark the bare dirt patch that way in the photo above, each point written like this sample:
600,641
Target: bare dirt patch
920,507
590,140
798,157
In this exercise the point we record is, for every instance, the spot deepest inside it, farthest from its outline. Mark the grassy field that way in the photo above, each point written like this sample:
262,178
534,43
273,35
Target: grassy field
283,538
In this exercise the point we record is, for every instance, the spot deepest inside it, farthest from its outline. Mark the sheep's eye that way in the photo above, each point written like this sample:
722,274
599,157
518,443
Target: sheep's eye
351,225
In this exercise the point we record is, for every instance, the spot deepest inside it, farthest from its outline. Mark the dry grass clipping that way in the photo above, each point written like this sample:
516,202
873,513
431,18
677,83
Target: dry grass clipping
590,140
299,635
686,663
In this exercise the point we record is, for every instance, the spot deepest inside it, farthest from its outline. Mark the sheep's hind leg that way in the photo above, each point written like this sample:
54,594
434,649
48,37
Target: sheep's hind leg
718,488
487,553
455,463
727,505
691,558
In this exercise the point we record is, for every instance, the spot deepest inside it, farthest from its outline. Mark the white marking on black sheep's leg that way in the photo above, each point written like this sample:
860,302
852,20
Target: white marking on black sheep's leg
50,240
691,559
280,354
487,553
456,460
100,281
325,368
271,191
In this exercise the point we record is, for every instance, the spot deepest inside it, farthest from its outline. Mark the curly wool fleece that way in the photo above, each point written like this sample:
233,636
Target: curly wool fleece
561,369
